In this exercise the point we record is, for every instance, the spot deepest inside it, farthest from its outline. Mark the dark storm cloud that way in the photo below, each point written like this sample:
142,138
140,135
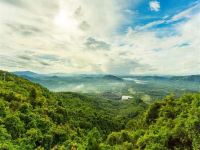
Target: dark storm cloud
94,44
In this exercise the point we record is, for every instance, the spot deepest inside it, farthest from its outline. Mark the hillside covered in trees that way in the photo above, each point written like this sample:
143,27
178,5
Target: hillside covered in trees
32,117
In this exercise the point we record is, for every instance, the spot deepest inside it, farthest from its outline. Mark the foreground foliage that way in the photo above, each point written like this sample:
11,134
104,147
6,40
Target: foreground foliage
31,117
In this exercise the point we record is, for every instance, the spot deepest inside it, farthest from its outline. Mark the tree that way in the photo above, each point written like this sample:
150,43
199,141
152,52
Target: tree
14,125
94,139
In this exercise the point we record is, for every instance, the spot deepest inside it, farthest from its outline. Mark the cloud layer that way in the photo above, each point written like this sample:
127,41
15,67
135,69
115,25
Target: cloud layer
97,37
154,5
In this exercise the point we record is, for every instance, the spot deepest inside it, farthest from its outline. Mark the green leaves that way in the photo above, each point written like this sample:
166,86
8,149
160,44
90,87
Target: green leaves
93,140
14,125
31,117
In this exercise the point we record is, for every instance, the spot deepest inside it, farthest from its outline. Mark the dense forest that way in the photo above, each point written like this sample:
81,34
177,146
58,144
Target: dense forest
32,117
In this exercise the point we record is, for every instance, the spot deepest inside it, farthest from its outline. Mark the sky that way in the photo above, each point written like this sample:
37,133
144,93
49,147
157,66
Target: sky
159,37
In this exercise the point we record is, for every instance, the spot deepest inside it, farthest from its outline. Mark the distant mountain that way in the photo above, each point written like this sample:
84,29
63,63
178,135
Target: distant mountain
112,77
27,74
192,78
160,78
98,83
32,117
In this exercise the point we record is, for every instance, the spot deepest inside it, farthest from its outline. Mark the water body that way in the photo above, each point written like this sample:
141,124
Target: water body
136,80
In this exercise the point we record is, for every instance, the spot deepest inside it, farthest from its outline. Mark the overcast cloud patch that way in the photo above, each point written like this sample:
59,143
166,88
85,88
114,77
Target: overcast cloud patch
52,36
94,44
24,29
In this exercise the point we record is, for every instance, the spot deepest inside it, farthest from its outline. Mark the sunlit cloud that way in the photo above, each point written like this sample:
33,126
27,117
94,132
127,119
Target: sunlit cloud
154,5
98,37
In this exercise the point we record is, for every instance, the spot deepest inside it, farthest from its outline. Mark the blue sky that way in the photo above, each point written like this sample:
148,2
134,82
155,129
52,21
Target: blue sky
141,14
100,36
167,8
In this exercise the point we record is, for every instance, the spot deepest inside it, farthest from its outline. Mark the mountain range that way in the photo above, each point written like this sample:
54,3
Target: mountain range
32,117
113,86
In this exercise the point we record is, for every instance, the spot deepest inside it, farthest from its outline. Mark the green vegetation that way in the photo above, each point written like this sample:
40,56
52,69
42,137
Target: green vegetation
32,117
113,87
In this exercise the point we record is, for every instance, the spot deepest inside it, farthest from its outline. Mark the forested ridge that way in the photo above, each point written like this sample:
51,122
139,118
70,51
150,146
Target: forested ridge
32,117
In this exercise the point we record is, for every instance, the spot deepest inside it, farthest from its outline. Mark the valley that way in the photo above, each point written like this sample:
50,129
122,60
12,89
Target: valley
113,87
99,75
32,117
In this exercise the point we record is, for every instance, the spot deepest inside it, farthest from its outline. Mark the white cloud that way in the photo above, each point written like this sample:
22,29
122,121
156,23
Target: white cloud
154,5
165,55
185,14
60,32
188,13
149,25
52,36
